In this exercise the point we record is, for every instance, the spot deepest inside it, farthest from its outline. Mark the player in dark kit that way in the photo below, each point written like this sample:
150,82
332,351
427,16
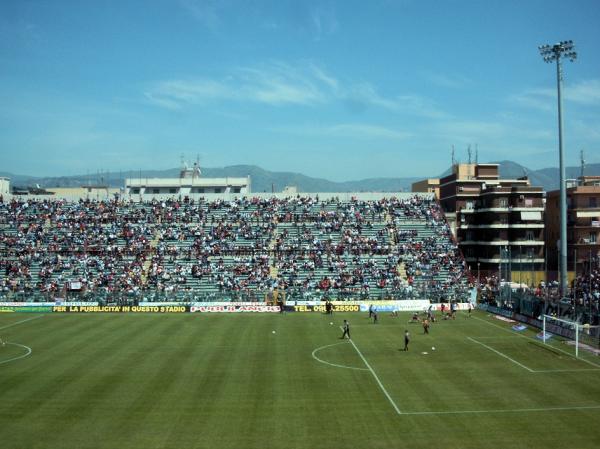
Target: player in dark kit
346,329
406,340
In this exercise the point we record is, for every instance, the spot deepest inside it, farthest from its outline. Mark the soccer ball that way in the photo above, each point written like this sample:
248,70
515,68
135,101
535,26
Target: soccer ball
273,331
433,348
331,323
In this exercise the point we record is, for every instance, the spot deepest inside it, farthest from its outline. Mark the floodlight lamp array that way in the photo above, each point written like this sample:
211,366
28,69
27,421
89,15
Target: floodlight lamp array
564,49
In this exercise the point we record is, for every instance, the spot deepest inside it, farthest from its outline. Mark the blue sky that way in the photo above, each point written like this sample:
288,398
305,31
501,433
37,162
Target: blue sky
336,89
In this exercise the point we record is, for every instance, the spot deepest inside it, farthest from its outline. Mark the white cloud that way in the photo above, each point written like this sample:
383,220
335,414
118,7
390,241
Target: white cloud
452,81
279,84
274,84
585,93
365,94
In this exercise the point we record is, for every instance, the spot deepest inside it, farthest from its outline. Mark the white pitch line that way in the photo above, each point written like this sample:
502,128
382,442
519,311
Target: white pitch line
565,370
516,410
18,357
334,364
533,339
501,354
22,321
377,379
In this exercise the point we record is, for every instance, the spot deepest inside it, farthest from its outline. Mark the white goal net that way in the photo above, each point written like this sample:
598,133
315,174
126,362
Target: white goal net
580,336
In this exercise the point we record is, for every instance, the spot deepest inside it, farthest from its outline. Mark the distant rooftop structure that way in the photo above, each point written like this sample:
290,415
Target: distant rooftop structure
190,172
190,184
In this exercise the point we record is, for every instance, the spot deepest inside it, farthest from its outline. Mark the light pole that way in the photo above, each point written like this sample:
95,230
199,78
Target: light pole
552,53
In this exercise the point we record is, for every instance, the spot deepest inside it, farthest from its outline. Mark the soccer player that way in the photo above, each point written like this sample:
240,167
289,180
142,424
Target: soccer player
346,328
425,326
406,340
470,308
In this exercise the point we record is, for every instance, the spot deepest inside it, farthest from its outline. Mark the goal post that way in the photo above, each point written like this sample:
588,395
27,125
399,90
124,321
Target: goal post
582,335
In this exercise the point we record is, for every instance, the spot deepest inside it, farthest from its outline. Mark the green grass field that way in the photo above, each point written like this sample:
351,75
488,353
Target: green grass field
227,381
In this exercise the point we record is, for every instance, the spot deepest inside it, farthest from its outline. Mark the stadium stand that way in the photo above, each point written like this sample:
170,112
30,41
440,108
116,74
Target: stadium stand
307,247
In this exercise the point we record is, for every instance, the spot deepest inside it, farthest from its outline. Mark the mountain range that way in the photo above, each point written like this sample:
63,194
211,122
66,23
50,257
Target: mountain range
267,181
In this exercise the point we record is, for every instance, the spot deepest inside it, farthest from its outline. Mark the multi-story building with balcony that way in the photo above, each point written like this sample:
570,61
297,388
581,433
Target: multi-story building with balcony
498,223
583,224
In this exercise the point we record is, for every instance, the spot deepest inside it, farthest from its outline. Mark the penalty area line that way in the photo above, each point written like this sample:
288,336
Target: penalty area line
535,340
501,354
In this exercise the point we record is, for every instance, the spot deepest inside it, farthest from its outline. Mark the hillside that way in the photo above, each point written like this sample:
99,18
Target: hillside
267,181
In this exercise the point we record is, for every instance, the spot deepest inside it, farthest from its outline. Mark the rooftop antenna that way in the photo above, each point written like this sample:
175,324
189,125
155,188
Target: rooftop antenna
453,160
582,163
469,152
476,154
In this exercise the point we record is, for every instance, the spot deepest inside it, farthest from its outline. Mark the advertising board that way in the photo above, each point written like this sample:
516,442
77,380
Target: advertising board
234,308
120,309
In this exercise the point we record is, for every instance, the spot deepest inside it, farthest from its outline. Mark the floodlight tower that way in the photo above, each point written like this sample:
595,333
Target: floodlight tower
551,53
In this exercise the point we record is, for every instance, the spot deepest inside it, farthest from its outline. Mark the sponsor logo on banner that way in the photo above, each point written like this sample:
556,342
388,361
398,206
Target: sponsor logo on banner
379,307
36,309
234,308
225,303
120,309
407,305
321,308
519,327
46,304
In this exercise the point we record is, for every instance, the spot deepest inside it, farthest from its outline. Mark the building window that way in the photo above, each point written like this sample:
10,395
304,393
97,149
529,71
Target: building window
237,189
172,190
503,202
155,190
592,202
135,190
218,190
529,235
593,237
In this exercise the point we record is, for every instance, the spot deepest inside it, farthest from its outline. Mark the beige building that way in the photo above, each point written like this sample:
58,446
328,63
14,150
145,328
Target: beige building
431,185
583,224
498,223
91,192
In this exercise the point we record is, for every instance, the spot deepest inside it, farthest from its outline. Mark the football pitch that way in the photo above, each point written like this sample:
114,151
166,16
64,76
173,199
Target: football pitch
289,381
